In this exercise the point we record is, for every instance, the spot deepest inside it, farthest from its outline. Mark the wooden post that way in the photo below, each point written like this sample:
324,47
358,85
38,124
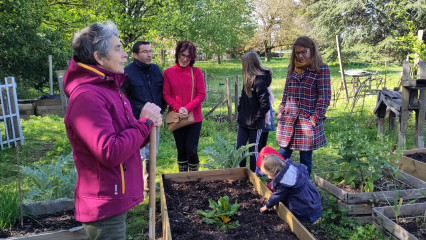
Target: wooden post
404,106
236,96
386,67
152,173
420,117
50,74
229,99
206,85
64,100
392,117
420,38
342,71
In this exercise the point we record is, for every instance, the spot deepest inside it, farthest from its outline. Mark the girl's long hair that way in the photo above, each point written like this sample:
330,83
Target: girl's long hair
252,67
307,42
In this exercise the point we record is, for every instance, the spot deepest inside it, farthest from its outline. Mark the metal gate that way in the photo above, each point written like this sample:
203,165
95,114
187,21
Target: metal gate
9,114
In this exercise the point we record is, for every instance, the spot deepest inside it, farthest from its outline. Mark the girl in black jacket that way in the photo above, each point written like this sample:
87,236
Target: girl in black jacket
253,105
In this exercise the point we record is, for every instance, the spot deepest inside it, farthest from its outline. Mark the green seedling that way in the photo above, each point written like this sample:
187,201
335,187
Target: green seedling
221,214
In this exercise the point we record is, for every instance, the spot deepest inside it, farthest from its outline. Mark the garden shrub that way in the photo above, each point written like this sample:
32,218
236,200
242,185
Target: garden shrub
51,181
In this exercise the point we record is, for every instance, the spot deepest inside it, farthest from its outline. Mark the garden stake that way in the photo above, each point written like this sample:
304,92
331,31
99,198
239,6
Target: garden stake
151,181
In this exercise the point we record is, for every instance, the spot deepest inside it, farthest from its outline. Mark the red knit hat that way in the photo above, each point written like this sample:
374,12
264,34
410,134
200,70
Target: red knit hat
266,151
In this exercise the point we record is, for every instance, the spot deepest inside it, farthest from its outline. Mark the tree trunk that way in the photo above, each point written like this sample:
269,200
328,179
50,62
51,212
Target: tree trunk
219,56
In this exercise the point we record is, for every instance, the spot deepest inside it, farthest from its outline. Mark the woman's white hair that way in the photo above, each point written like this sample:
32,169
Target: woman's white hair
95,37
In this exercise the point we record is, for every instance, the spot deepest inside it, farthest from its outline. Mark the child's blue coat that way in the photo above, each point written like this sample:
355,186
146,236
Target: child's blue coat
293,188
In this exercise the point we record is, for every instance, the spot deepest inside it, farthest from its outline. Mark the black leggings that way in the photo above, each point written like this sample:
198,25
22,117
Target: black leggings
252,136
186,139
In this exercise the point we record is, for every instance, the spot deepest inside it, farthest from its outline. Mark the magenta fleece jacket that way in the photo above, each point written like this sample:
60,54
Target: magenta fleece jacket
177,88
105,138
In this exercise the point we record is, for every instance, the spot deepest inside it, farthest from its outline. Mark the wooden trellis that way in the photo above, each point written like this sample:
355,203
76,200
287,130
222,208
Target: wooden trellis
10,114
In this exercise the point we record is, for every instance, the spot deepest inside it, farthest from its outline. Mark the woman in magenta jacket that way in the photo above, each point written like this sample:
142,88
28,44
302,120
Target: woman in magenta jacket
177,90
104,135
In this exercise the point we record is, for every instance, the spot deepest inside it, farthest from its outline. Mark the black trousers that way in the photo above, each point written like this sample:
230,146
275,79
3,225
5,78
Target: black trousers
252,136
186,140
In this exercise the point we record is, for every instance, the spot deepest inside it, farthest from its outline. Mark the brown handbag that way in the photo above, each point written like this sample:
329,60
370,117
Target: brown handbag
172,118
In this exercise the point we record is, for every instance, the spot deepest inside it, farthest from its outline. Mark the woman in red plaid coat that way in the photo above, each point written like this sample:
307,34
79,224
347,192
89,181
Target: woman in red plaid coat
306,97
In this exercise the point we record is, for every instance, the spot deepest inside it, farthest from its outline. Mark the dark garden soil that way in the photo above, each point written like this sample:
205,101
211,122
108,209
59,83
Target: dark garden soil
415,226
418,156
33,225
185,199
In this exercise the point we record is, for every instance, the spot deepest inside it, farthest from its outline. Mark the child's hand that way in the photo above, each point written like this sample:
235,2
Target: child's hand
262,209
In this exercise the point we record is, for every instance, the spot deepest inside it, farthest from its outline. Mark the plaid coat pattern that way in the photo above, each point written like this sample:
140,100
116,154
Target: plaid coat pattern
302,110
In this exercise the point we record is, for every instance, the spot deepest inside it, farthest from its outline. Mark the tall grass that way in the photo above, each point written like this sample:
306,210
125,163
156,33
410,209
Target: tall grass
9,207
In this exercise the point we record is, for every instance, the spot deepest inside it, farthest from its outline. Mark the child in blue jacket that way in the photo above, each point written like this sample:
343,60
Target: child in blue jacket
292,187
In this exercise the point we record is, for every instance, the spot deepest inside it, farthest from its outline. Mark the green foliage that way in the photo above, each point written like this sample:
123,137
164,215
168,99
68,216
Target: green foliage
9,207
224,155
362,160
373,24
51,181
409,41
366,232
26,43
221,214
335,224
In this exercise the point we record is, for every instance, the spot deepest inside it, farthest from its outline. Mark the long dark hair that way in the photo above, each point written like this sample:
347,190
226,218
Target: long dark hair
307,42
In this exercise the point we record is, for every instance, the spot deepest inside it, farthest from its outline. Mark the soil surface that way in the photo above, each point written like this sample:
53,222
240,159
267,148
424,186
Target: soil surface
415,226
33,225
185,199
418,156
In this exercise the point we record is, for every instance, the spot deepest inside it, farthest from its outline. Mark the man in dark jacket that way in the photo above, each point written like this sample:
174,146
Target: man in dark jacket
145,84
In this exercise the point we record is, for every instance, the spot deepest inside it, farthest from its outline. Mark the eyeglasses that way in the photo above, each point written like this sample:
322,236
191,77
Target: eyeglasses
183,56
302,52
145,51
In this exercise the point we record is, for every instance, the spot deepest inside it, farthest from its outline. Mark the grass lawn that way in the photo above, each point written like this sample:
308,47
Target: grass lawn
45,137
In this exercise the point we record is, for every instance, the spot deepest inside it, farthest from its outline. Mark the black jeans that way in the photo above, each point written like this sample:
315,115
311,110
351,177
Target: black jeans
252,136
186,139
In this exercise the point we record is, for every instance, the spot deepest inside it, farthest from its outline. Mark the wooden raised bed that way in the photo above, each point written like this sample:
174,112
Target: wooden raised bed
233,174
412,166
49,207
383,219
360,205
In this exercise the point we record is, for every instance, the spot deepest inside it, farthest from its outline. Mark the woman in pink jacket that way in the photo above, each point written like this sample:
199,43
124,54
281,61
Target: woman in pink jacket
104,135
182,81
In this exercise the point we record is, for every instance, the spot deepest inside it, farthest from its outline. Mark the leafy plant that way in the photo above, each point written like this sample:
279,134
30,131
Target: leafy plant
224,155
362,160
335,223
51,181
221,214
9,205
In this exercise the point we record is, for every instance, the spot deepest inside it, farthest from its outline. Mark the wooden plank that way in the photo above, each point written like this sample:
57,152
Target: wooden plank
383,215
71,234
363,220
208,175
412,166
411,180
338,192
356,209
164,213
352,198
